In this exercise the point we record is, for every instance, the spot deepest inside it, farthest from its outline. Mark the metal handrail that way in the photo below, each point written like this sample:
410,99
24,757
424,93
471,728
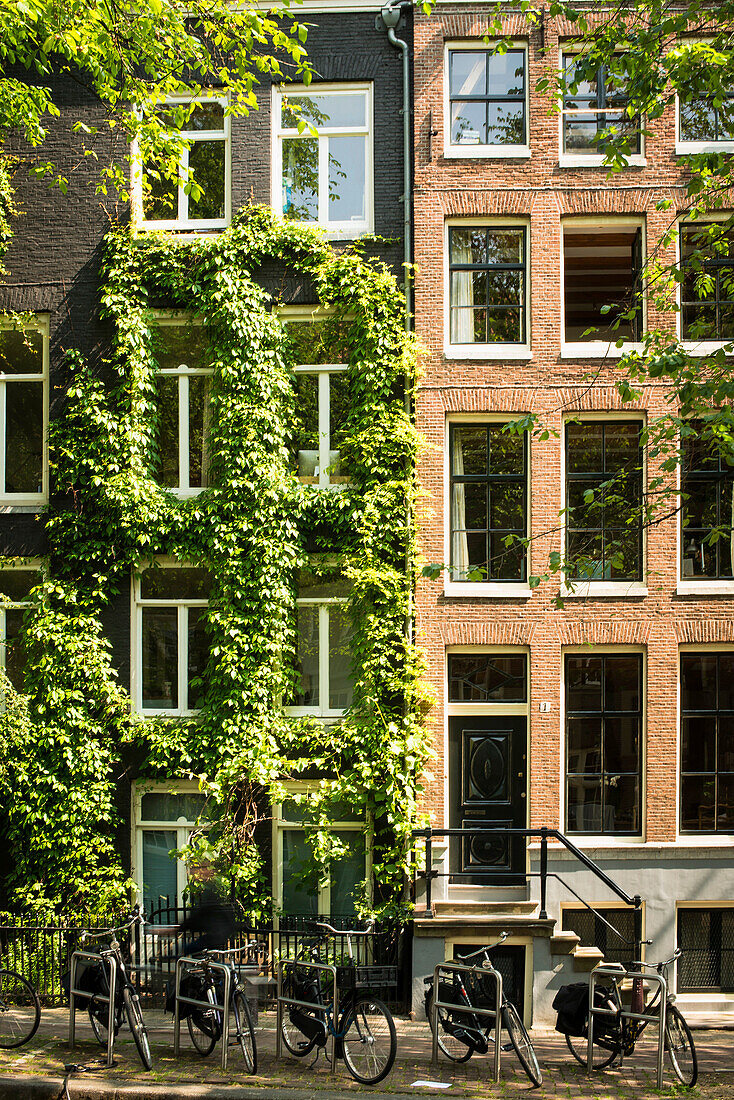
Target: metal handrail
311,1005
222,1010
619,973
100,960
485,971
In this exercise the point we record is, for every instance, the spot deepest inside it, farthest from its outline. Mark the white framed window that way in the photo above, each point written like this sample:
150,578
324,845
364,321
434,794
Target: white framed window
16,582
24,357
487,289
324,676
163,817
323,146
485,101
170,640
297,888
322,395
594,106
161,203
701,124
183,400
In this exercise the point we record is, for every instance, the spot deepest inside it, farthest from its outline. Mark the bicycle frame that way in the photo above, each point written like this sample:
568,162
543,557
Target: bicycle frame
222,1010
329,1011
110,999
468,1009
618,974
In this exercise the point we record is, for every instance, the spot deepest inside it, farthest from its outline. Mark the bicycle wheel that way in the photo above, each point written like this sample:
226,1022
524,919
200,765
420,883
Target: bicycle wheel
370,1043
99,1018
245,1030
203,1024
601,1057
137,1025
520,1040
452,1047
20,1010
295,1040
680,1048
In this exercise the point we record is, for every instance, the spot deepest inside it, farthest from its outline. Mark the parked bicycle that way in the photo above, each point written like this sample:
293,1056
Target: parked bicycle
205,1025
461,1034
126,996
20,1010
616,1038
364,1031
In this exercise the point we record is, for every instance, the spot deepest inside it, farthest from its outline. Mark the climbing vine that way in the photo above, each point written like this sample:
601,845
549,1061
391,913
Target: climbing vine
257,529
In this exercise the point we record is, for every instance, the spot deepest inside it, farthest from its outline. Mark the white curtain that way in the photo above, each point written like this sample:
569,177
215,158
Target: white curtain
462,294
460,563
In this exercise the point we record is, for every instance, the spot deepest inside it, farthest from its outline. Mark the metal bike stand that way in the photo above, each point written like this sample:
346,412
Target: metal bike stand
222,1010
91,956
495,1013
619,974
324,1009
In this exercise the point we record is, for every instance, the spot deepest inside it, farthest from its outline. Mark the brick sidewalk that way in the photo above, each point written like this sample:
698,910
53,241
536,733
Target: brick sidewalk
47,1054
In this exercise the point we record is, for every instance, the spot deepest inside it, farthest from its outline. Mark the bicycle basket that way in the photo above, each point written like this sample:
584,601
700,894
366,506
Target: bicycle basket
366,977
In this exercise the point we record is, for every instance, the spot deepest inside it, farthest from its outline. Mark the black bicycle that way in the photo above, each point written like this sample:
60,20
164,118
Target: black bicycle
363,1030
615,1036
126,996
20,1010
461,1034
205,1025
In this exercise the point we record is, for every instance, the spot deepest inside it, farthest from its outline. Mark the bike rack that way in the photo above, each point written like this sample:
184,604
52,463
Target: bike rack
222,1010
619,974
91,956
486,972
305,1004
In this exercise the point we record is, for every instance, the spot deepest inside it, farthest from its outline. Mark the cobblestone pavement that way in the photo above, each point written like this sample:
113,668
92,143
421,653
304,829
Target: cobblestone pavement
49,1051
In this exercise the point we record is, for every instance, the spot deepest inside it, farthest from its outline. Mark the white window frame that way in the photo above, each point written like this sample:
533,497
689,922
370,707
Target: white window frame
182,220
27,565
136,665
324,603
31,501
602,349
475,152
183,373
590,160
686,148
698,347
281,824
138,825
335,230
486,351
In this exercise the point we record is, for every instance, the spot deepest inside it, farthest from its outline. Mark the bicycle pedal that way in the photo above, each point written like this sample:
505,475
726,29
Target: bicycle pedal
506,1046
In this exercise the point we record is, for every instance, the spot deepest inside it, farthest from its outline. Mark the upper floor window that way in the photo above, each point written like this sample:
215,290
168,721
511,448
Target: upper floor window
591,107
171,642
707,486
15,588
602,282
703,122
707,742
487,285
323,156
603,500
183,405
324,677
487,100
23,414
488,503
322,397
707,289
200,197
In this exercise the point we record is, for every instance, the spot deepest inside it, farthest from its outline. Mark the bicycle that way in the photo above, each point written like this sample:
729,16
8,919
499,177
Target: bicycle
364,1032
462,1034
20,1010
126,995
205,1025
616,1038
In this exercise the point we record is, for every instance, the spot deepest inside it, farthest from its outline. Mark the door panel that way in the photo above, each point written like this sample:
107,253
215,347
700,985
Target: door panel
487,786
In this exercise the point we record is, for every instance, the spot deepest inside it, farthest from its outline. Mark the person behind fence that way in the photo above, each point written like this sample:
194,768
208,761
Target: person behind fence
211,922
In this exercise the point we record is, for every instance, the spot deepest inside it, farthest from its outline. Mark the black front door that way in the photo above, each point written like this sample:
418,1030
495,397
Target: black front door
487,786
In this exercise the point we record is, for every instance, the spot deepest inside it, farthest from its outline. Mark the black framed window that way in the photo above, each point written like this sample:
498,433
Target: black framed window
707,743
603,743
707,487
593,107
707,938
701,120
487,97
707,289
603,500
487,678
487,281
488,503
592,926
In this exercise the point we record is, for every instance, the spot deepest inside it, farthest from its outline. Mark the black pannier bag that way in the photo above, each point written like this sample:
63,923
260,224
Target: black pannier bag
90,979
193,986
571,1002
306,988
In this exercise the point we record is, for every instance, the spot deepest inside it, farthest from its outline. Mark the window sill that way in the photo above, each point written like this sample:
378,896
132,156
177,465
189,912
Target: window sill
707,840
486,152
684,148
191,229
596,160
598,349
594,589
13,506
152,713
708,347
590,840
493,590
314,712
488,351
705,588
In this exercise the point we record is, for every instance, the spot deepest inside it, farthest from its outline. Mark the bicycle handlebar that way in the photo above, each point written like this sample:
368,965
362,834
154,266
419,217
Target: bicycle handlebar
484,950
136,918
345,931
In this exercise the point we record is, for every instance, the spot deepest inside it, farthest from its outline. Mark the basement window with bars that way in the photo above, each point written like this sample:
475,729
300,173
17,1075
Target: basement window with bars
183,406
602,283
615,943
706,936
